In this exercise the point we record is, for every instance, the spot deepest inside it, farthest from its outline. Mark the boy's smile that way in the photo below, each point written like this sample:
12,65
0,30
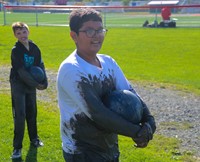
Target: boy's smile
89,39
22,35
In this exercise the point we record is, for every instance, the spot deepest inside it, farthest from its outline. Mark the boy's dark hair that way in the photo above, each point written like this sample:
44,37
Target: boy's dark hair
82,15
19,25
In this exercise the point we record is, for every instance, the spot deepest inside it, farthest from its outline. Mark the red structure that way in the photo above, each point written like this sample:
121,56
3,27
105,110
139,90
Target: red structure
166,13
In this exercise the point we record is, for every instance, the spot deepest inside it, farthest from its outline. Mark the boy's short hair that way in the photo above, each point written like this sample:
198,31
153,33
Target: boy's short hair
19,25
82,15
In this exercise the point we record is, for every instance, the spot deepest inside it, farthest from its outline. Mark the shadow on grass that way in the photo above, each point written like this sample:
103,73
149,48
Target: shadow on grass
30,157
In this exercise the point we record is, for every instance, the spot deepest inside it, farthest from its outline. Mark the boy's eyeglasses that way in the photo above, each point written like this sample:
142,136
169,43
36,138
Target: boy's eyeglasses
92,32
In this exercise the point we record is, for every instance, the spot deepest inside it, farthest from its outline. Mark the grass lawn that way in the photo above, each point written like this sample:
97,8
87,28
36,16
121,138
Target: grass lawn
164,56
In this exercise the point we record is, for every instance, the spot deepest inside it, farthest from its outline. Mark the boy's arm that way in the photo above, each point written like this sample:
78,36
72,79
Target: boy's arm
148,127
123,83
148,122
44,84
106,118
26,77
147,117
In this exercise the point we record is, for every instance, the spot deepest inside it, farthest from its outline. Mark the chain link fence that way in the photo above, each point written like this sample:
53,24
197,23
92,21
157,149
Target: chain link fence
113,16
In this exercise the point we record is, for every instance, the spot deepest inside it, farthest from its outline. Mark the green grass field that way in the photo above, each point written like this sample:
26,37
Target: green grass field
163,57
167,56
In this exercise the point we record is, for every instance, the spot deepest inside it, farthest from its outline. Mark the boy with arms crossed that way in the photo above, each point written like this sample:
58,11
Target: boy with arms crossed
24,54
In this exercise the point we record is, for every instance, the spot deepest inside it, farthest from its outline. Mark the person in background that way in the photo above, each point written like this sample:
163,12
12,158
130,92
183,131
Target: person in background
166,13
89,129
24,55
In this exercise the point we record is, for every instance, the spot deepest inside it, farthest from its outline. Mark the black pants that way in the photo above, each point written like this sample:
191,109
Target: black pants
87,156
24,110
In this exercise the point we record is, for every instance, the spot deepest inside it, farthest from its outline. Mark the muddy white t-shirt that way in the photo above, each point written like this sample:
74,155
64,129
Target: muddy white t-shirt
85,121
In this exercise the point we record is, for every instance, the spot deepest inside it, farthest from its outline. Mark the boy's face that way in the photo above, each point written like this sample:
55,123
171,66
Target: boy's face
22,35
89,45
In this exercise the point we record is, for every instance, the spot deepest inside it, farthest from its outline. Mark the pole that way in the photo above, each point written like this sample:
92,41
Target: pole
156,22
36,17
105,18
4,15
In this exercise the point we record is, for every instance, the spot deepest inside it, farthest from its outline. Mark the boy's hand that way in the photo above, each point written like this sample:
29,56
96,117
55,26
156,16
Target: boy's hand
41,87
144,136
